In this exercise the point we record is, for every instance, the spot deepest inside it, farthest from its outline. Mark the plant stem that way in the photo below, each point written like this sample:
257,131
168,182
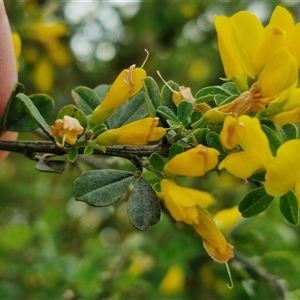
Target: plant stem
30,148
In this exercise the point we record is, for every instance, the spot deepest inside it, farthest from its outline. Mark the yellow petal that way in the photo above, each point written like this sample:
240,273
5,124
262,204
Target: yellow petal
284,174
247,32
280,72
272,40
232,133
193,162
227,218
291,116
127,84
292,42
231,65
213,240
256,141
241,164
201,198
134,133
173,282
282,18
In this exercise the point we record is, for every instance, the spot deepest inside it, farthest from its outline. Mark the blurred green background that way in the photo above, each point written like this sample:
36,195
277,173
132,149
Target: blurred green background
53,247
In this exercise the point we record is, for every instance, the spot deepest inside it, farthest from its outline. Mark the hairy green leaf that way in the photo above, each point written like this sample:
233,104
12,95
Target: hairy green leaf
152,95
33,112
184,110
132,110
157,162
143,207
86,99
101,187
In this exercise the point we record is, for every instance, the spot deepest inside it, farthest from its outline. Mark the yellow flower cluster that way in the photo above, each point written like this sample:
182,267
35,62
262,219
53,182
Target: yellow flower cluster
269,57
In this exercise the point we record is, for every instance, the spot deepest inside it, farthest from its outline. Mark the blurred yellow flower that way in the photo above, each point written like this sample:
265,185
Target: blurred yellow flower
255,155
284,174
135,133
43,75
173,282
227,218
17,43
182,202
127,84
193,162
67,129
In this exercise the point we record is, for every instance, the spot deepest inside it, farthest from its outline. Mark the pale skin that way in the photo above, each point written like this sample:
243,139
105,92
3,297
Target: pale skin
8,71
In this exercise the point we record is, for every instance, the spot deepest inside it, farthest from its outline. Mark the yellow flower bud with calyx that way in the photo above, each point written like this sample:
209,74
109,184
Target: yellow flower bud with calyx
135,133
193,162
127,84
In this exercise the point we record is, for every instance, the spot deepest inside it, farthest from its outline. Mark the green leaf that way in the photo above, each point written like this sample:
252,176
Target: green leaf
143,207
288,205
268,123
213,140
72,154
86,99
152,95
288,132
101,187
132,110
196,116
199,135
227,100
210,91
88,150
219,99
167,94
157,162
258,177
167,113
184,110
16,117
174,150
51,166
33,112
102,90
74,112
255,202
230,88
273,139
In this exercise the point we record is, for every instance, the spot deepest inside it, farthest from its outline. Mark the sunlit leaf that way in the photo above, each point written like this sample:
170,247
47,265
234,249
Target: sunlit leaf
184,110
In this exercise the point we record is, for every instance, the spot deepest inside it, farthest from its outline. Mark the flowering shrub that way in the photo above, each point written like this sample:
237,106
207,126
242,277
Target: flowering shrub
245,127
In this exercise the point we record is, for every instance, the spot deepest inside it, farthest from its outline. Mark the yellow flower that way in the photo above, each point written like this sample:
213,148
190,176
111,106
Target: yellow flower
182,202
127,84
43,75
17,47
284,174
67,129
186,205
173,282
135,133
269,56
256,154
214,242
278,74
193,162
227,218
